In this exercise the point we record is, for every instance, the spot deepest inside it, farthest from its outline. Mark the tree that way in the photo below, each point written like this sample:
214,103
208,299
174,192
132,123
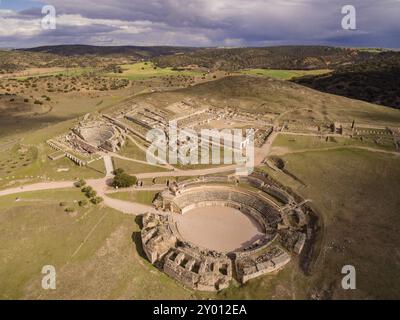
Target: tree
82,203
87,189
80,183
96,200
91,194
118,171
123,180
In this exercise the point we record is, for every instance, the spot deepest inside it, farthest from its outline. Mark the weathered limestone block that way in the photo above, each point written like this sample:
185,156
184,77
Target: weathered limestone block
298,247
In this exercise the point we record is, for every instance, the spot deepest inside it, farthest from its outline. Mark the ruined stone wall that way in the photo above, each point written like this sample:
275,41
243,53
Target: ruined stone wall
202,269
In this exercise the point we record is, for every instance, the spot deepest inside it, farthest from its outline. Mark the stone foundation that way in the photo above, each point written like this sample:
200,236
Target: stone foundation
207,270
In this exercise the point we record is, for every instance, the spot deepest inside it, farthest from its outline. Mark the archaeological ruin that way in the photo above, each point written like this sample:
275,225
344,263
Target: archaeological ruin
283,224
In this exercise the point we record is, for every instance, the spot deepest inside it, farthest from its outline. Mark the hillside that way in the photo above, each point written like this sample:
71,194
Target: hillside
269,96
137,52
15,60
285,57
70,56
376,80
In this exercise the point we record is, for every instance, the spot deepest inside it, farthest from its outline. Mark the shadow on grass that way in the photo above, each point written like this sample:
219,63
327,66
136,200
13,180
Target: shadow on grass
137,239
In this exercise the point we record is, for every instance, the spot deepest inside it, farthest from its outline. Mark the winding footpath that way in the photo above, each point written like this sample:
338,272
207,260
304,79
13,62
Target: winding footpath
41,186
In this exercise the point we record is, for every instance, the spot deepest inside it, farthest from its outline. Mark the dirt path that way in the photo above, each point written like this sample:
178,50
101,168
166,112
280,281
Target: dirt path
108,164
186,173
101,187
38,187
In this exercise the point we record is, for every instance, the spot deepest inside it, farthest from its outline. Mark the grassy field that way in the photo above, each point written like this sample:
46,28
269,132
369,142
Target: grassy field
284,74
45,72
63,111
144,197
298,104
40,168
289,143
94,252
131,167
145,70
131,150
356,192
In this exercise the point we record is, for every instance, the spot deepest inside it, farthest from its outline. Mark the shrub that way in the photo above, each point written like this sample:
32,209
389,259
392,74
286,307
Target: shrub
96,200
118,171
91,194
87,189
82,203
80,183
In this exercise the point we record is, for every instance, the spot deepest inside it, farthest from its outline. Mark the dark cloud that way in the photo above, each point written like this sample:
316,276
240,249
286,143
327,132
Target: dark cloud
212,23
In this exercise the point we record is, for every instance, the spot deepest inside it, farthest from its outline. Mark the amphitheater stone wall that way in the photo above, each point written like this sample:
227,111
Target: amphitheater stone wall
207,270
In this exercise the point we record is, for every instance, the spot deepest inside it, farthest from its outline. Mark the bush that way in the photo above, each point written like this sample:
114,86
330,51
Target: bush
96,200
119,171
83,203
80,183
91,194
87,189
123,180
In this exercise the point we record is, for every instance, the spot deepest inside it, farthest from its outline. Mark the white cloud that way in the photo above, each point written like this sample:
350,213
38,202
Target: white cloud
206,22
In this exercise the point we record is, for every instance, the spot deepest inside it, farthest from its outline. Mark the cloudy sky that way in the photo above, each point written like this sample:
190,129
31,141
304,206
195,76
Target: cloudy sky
200,22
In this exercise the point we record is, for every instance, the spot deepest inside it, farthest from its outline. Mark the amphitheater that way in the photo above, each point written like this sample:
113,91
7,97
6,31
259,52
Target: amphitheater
212,231
96,134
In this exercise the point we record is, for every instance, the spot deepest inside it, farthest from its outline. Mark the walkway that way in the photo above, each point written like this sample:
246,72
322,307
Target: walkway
108,164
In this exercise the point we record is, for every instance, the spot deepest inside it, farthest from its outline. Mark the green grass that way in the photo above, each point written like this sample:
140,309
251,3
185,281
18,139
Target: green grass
284,74
63,115
41,168
131,167
144,197
17,160
131,150
303,143
93,252
98,165
356,192
70,72
145,70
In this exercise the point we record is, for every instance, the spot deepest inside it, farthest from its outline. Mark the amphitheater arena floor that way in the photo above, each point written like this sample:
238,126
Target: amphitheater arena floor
218,228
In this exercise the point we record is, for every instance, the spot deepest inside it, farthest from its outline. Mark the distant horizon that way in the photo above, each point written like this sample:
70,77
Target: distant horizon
197,47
